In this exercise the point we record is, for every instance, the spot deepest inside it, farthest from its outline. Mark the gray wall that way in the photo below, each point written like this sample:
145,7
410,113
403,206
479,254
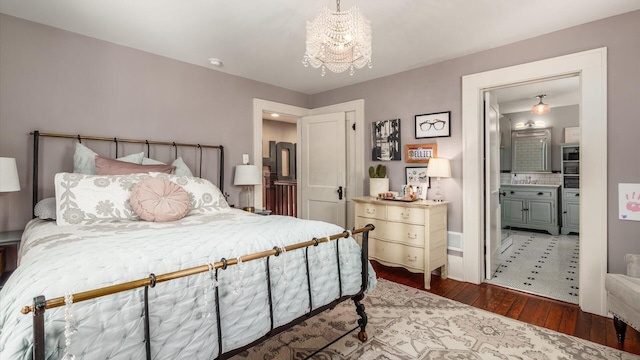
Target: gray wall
56,81
53,80
437,88
556,120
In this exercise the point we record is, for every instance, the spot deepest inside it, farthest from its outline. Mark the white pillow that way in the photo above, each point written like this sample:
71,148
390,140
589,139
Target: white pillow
89,199
45,209
84,160
204,197
181,168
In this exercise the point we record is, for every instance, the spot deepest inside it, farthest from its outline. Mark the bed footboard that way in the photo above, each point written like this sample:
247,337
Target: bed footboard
40,304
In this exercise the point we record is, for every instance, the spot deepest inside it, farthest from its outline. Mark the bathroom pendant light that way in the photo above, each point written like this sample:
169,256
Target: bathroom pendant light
540,108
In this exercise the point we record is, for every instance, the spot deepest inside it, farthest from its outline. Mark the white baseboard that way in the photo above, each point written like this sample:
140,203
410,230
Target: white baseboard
455,267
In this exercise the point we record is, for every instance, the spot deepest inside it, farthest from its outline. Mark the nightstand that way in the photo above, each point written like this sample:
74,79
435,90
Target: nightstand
7,238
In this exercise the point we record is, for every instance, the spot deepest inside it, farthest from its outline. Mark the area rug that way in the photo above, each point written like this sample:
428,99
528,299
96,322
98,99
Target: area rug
406,323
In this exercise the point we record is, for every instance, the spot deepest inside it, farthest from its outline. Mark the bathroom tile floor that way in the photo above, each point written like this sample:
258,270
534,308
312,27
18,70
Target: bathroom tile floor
541,264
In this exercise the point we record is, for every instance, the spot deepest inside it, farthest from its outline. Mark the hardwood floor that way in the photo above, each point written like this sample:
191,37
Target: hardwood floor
552,314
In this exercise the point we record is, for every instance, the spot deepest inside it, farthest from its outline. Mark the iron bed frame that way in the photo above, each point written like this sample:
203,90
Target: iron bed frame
40,304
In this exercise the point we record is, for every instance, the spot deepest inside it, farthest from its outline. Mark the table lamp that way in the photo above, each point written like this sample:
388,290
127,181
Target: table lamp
438,168
9,180
247,176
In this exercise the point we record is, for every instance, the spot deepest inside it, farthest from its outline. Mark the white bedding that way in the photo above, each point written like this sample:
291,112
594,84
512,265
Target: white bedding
56,259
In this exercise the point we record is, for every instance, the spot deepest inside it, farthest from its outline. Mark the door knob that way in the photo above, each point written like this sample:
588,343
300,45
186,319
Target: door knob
340,192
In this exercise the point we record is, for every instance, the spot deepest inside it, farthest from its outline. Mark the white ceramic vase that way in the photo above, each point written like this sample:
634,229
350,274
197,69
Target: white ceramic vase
378,185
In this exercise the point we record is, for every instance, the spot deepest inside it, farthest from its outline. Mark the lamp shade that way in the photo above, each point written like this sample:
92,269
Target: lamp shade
247,175
9,180
439,167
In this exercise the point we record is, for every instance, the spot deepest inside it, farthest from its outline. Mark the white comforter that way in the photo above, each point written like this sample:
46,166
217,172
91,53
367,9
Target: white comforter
55,260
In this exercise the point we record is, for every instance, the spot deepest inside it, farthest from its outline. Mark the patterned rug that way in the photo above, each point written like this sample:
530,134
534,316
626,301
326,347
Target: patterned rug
406,323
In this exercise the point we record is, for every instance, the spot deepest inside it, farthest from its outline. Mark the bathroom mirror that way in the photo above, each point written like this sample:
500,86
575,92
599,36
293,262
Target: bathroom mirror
531,150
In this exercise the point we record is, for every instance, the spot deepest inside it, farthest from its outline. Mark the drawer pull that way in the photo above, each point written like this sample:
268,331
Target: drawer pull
415,236
371,211
577,194
540,193
415,257
406,216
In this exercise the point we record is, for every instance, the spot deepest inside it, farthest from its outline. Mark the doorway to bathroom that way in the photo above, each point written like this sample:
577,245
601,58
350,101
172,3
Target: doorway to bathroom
539,242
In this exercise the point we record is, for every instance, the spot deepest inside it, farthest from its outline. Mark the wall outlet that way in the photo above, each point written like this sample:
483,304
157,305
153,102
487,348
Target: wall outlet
245,159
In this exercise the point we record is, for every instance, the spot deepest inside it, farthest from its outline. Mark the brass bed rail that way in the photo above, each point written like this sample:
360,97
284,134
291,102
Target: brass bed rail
40,304
222,264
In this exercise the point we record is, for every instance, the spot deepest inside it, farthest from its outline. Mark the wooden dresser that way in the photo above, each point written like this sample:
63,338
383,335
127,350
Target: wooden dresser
412,235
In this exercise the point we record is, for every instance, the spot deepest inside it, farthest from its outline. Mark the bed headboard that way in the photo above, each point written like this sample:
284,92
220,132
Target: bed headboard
145,143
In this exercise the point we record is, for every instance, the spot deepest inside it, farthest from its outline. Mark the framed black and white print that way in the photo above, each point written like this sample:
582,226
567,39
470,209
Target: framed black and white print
433,125
385,140
417,175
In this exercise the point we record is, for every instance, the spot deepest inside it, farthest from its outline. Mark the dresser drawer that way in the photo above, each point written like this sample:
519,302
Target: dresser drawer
397,254
380,227
405,214
403,233
370,210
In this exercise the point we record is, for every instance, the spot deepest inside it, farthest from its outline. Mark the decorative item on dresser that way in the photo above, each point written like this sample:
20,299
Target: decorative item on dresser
236,262
439,168
412,235
378,181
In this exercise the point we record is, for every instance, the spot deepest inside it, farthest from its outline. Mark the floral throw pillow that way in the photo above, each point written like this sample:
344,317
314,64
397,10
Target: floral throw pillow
204,197
89,199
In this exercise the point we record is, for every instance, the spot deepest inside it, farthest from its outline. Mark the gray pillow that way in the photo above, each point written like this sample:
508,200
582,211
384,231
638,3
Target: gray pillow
46,209
181,168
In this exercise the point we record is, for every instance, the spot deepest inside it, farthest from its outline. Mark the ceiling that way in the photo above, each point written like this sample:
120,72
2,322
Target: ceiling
560,92
265,40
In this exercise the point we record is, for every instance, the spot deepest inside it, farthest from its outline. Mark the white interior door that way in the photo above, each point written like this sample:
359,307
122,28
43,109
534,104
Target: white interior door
492,184
322,178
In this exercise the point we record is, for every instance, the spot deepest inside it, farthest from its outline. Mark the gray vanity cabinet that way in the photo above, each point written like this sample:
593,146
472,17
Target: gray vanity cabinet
530,207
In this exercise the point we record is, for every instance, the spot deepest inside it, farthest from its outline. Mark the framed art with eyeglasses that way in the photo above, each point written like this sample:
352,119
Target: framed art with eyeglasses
433,125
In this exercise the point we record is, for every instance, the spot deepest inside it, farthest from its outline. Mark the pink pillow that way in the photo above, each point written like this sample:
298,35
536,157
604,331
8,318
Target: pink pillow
106,166
159,199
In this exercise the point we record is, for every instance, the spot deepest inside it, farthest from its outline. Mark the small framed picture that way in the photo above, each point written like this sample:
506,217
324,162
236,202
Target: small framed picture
417,175
433,125
420,153
385,140
413,192
421,191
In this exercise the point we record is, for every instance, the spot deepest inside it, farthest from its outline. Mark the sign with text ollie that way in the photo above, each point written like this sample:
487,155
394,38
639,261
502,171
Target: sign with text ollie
420,153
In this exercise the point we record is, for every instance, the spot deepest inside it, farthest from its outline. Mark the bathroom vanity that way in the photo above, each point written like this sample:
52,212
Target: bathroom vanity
530,206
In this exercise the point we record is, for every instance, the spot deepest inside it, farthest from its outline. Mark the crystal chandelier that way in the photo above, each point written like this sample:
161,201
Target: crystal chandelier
338,41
